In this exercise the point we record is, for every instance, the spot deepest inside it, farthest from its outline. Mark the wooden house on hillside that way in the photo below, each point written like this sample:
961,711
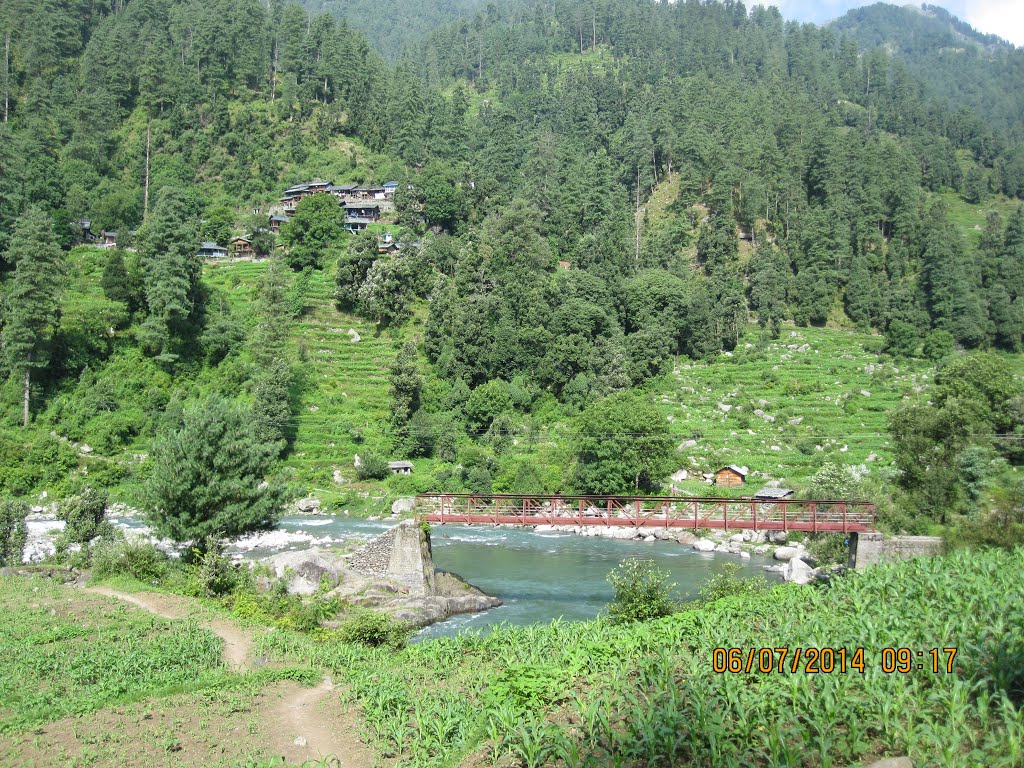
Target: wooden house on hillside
241,248
369,211
731,476
400,467
276,222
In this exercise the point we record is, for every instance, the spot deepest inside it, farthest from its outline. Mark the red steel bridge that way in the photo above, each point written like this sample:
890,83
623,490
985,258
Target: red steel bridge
649,512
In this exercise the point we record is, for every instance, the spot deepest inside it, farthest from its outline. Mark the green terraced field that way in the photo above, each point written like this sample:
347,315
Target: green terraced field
784,408
781,408
343,386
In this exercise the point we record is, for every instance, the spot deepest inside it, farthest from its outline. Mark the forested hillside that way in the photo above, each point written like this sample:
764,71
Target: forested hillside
588,193
391,25
955,62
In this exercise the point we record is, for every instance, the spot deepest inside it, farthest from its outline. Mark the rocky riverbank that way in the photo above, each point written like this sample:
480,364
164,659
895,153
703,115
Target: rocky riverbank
791,552
393,573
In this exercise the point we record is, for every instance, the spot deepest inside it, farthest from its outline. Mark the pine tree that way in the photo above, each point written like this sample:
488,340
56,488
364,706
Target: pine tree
211,476
33,301
406,384
115,281
169,246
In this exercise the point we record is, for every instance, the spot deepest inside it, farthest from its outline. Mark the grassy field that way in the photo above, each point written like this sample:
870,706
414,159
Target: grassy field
647,694
784,407
61,657
970,218
86,680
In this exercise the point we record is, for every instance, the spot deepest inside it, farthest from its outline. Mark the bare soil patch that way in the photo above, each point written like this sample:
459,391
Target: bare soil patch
311,723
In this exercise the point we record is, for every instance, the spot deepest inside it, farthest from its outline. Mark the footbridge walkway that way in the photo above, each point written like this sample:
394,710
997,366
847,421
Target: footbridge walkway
810,515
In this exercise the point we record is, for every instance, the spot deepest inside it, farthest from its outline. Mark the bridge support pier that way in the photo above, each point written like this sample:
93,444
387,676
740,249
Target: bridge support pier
870,548
865,549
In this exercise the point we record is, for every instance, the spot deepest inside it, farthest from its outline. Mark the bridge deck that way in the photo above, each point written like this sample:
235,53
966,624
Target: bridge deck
649,512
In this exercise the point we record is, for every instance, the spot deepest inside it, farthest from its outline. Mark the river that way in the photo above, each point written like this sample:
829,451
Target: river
539,576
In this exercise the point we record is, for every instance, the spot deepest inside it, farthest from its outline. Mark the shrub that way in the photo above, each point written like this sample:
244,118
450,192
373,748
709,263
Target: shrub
13,531
728,583
372,467
832,482
84,519
128,557
374,629
829,549
211,574
642,591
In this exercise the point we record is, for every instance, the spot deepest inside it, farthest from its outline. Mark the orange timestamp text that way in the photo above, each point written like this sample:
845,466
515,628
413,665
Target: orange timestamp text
830,660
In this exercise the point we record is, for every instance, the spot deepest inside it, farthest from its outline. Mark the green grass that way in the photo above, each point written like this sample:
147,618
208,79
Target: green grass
60,658
970,218
809,386
647,694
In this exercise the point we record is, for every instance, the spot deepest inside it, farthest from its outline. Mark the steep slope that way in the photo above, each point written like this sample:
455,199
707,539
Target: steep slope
390,25
956,62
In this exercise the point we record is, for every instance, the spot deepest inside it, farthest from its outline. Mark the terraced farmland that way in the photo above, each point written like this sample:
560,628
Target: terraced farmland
342,393
784,407
781,408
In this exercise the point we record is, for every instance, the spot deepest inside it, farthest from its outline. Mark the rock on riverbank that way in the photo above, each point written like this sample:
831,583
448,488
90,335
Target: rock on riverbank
393,573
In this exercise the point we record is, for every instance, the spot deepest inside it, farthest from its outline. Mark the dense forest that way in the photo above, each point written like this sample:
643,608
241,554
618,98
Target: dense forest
955,62
593,189
392,25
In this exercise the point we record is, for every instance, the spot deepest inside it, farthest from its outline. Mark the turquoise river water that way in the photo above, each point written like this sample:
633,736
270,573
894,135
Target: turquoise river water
539,576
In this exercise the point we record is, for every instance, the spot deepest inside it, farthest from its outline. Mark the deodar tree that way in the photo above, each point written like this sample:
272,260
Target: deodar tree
33,300
211,476
171,266
623,446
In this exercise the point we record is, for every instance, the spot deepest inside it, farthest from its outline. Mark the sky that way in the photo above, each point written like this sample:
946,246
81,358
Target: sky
995,17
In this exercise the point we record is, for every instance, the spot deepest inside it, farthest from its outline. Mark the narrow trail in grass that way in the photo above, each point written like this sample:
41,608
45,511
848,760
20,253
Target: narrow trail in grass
237,642
300,721
297,723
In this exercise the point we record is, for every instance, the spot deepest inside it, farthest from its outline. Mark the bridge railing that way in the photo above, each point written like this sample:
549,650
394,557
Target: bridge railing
649,511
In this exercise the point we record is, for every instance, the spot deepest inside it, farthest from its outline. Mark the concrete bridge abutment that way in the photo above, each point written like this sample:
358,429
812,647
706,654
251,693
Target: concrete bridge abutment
871,548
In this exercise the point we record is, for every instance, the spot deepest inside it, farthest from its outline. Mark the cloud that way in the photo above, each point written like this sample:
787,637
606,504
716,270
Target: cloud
997,17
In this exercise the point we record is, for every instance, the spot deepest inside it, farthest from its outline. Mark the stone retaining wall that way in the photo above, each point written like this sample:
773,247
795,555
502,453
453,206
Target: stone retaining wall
373,558
401,554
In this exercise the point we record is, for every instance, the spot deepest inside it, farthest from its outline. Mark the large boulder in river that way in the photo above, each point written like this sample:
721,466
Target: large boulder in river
797,571
704,545
787,553
306,570
401,506
308,505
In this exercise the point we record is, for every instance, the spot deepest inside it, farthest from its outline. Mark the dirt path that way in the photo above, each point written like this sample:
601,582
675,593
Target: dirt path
311,725
237,642
298,723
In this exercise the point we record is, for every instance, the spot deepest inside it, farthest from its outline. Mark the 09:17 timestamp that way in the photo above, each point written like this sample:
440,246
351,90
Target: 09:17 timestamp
829,660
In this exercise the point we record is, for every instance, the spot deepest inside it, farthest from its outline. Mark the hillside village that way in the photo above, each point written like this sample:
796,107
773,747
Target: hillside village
363,205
